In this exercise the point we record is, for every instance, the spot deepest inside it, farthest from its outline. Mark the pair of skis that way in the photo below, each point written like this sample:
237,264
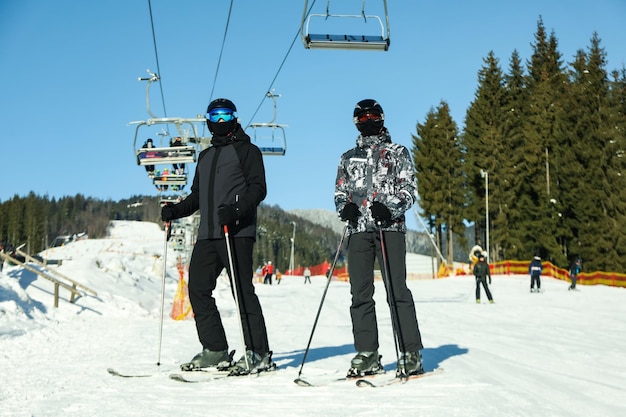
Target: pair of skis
194,376
370,381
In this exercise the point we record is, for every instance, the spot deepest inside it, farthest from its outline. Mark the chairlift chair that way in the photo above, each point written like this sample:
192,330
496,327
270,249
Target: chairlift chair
274,143
171,179
345,41
186,128
169,155
169,199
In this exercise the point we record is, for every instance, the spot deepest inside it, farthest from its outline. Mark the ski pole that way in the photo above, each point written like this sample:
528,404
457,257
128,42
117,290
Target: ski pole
391,299
317,316
167,236
235,289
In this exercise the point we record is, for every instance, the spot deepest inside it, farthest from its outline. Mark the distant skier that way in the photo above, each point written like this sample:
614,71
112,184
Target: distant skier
268,271
1,258
574,270
481,273
149,168
534,269
179,169
307,275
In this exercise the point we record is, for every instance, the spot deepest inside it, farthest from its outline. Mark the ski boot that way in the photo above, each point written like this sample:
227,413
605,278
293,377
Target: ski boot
252,362
218,359
410,363
365,363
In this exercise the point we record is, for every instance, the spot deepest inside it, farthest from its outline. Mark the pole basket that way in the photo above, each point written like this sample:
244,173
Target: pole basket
181,308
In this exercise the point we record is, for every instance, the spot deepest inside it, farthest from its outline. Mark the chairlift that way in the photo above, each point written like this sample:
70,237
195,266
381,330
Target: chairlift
337,41
186,129
170,199
171,179
168,155
270,137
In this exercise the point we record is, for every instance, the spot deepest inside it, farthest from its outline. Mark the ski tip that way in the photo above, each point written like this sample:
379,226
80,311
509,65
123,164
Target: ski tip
179,378
302,382
364,383
117,373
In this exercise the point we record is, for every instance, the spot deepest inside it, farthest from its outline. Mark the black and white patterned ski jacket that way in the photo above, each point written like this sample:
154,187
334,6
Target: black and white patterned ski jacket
376,170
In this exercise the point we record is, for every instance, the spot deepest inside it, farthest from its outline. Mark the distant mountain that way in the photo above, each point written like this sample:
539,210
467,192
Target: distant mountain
417,242
324,218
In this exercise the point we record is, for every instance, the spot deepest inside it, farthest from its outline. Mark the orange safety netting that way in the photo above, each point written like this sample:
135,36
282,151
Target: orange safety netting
181,308
319,269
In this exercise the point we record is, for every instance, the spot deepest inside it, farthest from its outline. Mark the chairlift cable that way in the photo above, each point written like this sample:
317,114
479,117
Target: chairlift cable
265,95
156,55
219,60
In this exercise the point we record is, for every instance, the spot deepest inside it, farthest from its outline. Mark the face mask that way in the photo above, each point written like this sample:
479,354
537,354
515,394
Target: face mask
223,128
370,127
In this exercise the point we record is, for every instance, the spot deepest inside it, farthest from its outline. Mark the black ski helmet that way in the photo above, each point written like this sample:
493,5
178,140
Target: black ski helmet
223,103
370,127
224,128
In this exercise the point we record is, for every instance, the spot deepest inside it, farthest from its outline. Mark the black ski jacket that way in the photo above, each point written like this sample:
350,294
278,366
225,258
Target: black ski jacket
481,271
231,171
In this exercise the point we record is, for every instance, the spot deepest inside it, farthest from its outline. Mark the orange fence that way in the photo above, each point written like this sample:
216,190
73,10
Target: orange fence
320,269
612,279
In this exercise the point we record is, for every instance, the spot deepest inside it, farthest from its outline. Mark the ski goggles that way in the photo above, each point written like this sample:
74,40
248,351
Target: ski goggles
221,113
362,118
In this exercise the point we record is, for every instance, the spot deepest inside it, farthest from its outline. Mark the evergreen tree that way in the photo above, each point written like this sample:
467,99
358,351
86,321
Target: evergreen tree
512,176
596,204
539,154
487,153
438,159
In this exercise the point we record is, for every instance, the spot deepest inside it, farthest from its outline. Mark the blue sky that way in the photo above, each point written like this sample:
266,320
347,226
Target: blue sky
69,69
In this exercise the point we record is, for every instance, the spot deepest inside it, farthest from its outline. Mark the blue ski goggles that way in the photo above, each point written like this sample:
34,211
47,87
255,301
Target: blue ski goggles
222,113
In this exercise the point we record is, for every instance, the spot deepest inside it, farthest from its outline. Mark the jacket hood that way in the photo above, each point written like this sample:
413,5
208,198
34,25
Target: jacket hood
239,135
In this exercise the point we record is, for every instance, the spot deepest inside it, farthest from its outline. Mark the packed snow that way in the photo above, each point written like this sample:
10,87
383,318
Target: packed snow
558,353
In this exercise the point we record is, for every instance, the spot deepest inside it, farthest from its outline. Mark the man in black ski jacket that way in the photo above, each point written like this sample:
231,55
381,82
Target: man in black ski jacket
375,186
482,272
228,185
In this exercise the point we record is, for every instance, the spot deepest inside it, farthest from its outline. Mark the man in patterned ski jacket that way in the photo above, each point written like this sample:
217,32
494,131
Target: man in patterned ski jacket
375,186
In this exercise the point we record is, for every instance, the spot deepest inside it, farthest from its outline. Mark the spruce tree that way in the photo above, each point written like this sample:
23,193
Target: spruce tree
487,152
596,204
438,159
510,214
539,154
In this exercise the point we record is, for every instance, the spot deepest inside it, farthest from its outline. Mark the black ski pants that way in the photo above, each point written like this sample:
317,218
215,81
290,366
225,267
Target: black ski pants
535,279
573,278
483,281
208,260
363,249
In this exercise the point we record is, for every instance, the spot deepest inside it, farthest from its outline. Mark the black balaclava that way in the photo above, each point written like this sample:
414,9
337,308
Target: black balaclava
369,127
223,128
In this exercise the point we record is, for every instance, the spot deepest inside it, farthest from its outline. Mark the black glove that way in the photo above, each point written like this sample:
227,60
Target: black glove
167,212
350,213
228,214
380,211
